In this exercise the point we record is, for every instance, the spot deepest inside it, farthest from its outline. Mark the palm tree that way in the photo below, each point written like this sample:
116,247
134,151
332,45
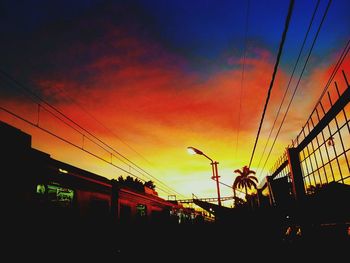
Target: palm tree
244,180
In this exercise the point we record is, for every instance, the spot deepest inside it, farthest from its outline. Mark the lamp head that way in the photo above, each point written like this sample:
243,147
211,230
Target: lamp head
192,150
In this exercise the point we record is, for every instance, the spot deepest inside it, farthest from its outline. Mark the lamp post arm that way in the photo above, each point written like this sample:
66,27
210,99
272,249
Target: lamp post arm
208,157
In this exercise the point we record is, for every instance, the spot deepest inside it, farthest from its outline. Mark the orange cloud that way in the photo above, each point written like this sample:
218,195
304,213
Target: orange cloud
150,100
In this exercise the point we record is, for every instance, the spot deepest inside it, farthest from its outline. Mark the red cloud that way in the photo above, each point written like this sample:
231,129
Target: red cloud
147,97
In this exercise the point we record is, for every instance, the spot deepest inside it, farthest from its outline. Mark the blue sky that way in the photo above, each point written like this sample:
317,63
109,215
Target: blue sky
204,32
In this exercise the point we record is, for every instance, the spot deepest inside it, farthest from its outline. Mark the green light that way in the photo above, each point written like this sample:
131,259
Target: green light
40,189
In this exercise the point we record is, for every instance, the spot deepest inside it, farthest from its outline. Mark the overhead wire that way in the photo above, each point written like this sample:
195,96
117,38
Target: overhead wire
76,146
230,186
298,82
286,26
334,72
103,125
290,80
66,141
41,102
242,76
111,148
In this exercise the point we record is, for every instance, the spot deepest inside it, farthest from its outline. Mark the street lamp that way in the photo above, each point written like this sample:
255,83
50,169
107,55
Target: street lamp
214,166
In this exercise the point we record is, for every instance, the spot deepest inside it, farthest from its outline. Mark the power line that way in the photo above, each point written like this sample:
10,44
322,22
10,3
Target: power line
242,76
95,119
104,126
290,9
335,70
230,186
74,145
290,80
297,85
36,97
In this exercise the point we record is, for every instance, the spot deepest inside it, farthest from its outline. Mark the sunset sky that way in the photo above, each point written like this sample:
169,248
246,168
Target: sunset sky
150,78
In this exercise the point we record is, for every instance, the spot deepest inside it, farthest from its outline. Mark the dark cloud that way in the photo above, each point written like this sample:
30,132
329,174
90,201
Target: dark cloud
60,37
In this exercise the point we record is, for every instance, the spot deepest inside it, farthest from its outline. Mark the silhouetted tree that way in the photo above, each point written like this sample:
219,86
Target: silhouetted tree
244,180
120,179
150,184
135,184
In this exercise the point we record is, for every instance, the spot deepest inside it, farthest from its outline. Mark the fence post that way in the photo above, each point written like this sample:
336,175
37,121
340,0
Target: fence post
271,197
296,173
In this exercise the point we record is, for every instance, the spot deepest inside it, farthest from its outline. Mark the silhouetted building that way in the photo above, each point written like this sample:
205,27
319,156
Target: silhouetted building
280,192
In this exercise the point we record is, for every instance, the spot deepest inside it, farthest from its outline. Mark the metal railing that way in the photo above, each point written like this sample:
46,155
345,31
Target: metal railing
323,144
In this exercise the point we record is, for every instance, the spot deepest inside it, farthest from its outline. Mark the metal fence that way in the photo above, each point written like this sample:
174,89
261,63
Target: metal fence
323,146
326,158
